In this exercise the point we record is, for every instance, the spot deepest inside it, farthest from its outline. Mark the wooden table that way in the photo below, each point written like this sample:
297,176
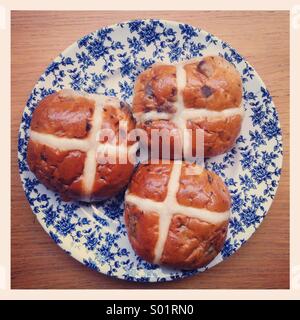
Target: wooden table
261,37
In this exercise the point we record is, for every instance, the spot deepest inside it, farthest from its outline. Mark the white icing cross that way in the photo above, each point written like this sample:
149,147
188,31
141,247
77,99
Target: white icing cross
170,206
91,145
183,114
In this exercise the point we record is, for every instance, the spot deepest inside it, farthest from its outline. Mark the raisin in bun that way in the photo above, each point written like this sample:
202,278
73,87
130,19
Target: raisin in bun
177,214
201,94
67,153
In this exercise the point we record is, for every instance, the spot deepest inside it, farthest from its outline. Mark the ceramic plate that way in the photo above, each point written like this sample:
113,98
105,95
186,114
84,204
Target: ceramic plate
108,61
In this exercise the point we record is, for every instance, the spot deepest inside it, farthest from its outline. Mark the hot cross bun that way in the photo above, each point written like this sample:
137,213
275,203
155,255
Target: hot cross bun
177,214
201,94
66,152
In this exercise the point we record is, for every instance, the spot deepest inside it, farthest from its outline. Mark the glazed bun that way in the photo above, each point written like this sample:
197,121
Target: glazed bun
177,214
201,94
67,153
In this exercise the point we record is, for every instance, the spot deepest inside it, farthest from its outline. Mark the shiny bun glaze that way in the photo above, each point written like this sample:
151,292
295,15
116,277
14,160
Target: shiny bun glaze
213,84
177,214
204,94
62,149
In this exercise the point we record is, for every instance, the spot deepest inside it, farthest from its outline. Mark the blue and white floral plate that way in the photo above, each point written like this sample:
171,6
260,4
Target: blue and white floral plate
108,61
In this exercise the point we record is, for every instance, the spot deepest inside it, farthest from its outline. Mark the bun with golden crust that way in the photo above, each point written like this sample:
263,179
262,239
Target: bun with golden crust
177,214
204,94
65,150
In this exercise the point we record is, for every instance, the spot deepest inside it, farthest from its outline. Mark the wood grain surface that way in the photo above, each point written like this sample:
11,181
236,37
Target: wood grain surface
261,37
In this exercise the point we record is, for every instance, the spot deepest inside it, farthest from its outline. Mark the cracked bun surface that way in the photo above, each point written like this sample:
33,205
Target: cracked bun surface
177,214
66,152
201,94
